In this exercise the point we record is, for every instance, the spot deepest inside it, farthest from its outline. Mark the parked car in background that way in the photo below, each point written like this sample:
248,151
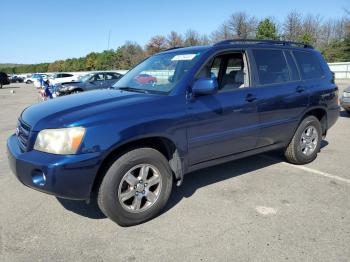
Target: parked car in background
16,79
26,78
4,79
145,79
129,144
34,77
345,100
62,78
88,82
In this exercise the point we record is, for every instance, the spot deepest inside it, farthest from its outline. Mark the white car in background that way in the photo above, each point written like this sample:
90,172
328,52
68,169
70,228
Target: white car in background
30,79
59,78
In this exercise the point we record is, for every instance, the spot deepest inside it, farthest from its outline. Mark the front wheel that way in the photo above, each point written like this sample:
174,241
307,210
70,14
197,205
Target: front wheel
77,91
306,142
136,187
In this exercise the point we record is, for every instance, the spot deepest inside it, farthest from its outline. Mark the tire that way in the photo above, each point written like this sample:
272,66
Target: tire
295,153
348,111
0,85
28,82
114,186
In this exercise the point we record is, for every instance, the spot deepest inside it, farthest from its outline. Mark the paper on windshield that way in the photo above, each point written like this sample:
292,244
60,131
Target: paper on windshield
183,57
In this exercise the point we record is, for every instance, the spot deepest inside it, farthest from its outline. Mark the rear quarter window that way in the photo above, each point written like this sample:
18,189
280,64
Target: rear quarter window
309,65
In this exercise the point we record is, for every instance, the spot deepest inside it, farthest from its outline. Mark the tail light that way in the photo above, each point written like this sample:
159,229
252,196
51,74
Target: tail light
333,77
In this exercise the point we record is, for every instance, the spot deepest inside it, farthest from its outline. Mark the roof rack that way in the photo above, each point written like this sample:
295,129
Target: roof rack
260,41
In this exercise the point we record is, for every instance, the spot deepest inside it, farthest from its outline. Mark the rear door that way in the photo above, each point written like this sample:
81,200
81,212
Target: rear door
282,96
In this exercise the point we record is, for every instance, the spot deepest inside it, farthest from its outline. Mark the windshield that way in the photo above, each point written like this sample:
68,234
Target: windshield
85,78
159,73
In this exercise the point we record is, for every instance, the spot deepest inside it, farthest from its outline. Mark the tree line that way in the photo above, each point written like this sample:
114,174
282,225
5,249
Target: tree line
331,37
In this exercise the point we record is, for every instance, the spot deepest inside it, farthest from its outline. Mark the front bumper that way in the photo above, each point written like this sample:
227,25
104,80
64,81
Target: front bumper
345,103
67,176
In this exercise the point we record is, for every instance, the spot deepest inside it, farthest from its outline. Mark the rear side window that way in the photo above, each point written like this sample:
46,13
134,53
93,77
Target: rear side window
272,66
309,65
66,75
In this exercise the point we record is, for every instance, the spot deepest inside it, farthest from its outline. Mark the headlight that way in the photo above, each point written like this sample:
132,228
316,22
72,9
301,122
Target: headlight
64,141
346,94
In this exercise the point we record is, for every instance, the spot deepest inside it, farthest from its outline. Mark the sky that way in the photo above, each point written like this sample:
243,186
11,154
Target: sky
35,31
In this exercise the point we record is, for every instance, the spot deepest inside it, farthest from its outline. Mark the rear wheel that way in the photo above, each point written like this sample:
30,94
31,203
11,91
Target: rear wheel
28,82
0,85
306,142
136,187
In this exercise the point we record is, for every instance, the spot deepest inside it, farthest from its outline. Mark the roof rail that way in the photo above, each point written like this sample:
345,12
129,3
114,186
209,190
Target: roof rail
171,48
261,41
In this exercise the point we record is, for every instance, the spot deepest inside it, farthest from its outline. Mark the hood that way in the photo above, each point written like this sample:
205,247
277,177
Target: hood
75,109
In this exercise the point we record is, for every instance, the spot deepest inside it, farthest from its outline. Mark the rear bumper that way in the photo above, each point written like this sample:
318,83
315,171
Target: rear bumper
332,116
67,176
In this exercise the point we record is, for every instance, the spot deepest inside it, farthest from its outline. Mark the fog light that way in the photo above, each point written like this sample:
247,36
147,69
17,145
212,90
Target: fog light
38,178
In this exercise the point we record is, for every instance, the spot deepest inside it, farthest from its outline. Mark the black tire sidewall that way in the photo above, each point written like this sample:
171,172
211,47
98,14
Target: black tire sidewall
108,195
307,122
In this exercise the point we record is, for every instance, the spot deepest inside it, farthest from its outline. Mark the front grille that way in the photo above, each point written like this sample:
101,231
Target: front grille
22,132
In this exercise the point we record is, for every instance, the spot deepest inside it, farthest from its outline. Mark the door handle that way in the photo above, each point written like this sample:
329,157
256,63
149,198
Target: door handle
250,97
300,89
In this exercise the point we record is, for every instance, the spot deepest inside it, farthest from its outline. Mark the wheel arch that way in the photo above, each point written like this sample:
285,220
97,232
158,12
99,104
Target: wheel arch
321,114
76,89
162,144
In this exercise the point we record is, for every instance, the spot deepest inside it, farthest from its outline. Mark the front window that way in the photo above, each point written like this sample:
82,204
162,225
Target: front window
85,78
159,73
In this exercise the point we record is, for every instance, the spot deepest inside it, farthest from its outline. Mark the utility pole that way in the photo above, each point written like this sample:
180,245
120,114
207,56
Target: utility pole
109,37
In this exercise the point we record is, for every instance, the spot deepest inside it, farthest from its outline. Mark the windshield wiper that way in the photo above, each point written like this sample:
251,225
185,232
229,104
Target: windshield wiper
132,89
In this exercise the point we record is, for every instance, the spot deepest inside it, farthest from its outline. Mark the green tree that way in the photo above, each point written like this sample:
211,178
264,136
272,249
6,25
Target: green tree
128,55
90,61
337,51
306,38
266,30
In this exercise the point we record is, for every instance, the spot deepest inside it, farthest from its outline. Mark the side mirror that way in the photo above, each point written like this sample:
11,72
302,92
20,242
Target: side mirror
205,86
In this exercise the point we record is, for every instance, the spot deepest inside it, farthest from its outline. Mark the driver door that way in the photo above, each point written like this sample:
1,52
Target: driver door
97,81
227,122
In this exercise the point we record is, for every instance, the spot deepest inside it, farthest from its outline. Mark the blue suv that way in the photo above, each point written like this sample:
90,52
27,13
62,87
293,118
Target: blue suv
205,106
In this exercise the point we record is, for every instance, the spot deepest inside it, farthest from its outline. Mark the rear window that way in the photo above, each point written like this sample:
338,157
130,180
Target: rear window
272,66
308,64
